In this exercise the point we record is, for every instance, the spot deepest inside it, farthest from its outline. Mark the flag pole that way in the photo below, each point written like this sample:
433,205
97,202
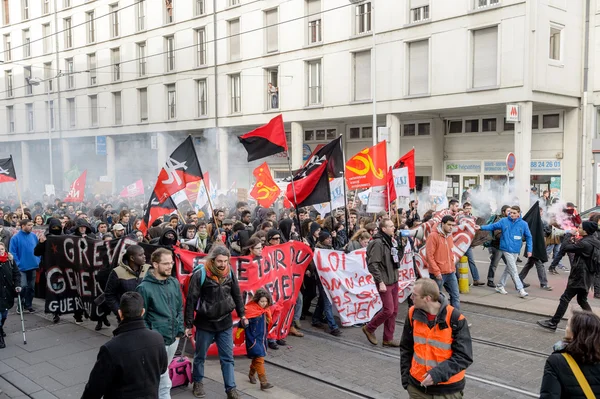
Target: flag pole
212,210
346,213
294,192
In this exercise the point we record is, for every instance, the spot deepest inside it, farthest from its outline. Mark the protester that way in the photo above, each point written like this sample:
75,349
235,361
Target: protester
118,230
440,258
259,322
324,307
436,346
572,220
10,285
22,245
467,211
130,365
216,293
359,240
580,345
493,246
383,260
164,307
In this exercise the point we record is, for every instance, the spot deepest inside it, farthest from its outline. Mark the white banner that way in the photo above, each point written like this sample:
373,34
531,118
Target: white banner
438,188
406,276
401,182
336,186
377,200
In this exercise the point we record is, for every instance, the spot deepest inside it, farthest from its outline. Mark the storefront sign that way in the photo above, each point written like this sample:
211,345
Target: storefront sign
545,166
463,167
494,167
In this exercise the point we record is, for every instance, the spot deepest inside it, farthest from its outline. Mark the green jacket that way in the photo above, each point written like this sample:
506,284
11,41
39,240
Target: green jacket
163,302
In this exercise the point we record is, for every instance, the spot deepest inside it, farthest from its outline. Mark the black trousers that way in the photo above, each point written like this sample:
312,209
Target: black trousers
566,297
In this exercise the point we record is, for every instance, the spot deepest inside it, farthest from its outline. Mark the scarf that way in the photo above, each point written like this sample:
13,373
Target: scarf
4,257
254,310
215,274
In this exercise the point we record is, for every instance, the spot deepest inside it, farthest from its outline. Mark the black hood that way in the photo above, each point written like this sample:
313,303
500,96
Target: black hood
185,230
54,227
163,240
83,223
286,228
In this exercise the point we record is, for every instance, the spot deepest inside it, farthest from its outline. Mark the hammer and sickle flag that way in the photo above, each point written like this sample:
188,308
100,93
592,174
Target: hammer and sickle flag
367,168
7,170
265,191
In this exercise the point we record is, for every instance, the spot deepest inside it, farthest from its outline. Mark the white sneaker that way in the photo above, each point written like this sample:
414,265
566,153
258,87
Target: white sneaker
523,294
500,289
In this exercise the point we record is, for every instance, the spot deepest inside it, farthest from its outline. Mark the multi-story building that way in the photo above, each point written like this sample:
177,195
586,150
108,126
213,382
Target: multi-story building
142,74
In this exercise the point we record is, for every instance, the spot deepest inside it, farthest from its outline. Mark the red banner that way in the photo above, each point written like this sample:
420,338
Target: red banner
133,190
367,168
280,270
77,189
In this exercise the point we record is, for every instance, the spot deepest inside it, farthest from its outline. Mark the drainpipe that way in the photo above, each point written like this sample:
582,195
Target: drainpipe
584,106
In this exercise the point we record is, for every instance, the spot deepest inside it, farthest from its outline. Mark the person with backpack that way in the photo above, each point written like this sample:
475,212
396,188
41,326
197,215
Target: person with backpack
586,260
433,357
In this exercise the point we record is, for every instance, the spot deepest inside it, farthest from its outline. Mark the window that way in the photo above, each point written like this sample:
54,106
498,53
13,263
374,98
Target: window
551,121
235,88
69,72
7,48
24,9
29,117
202,97
485,57
271,19
472,126
92,68
535,122
116,63
314,82
10,117
455,126
419,12
91,26
200,7
8,77
424,129
273,88
143,95
414,129
234,40
68,33
555,42
200,47
47,38
360,133
27,76
140,11
66,3
314,21
363,18
94,110
168,11
170,45
488,125
71,111
5,12
233,3
171,102
508,127
50,113
409,130
320,135
118,112
26,44
48,77
141,56
362,75
418,67
45,7
114,20
485,3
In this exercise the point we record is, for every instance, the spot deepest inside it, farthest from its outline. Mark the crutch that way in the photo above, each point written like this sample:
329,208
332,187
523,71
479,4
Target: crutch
20,307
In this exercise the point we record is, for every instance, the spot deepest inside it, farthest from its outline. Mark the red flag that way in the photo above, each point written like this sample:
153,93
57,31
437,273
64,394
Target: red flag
133,190
154,210
312,189
265,190
367,168
390,190
408,161
192,189
266,140
77,189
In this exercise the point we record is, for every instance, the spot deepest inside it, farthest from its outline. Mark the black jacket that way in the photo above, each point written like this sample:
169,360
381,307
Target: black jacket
560,382
10,278
379,259
129,365
121,280
580,277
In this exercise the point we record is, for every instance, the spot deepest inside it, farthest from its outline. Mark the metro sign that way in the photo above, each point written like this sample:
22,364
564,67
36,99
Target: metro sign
513,113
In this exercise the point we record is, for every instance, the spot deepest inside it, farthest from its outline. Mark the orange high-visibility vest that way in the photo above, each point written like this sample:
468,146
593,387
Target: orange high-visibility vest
432,346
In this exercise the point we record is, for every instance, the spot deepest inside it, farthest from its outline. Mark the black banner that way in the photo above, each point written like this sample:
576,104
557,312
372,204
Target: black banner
77,269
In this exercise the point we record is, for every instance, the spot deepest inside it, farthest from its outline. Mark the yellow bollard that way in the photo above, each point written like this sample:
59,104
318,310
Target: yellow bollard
463,275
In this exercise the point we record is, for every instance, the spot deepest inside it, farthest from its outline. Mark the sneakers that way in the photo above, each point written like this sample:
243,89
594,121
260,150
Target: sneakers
546,287
564,268
233,394
370,336
198,390
526,285
552,271
491,284
392,344
478,283
281,342
31,310
273,345
500,289
547,324
336,333
523,293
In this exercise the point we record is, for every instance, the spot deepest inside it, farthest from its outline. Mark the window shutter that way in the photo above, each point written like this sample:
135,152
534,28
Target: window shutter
485,57
418,3
272,42
418,67
234,40
362,75
314,7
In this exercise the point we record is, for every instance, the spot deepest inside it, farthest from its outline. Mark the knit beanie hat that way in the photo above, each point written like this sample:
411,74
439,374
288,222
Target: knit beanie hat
323,235
589,227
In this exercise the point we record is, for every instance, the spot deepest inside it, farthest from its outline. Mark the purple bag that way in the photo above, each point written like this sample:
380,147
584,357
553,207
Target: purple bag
180,369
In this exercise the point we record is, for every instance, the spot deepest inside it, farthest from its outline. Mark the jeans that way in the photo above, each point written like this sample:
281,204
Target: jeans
472,265
541,271
597,285
553,249
450,283
298,307
566,297
324,308
164,389
4,315
511,268
495,256
28,287
224,341
556,260
387,314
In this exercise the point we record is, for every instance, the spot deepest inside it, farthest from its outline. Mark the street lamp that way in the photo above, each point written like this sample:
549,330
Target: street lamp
373,68
37,82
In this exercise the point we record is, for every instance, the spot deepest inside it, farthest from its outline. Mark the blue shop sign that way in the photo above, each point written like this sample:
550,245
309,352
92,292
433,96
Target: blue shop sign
545,166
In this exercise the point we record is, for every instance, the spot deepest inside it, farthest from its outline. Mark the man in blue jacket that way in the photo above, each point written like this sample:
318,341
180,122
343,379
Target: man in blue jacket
22,245
514,229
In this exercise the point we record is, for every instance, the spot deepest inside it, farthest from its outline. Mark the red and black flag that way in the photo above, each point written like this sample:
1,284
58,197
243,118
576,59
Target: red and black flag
310,189
408,161
330,153
181,168
154,210
7,170
266,140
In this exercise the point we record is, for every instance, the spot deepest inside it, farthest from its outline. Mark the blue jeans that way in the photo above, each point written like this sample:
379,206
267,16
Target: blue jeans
472,265
224,341
450,283
298,307
28,287
4,315
554,250
324,307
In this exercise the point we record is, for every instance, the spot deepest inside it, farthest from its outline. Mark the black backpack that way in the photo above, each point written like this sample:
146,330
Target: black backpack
594,264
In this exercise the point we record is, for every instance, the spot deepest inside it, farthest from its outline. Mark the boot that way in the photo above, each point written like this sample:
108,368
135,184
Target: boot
98,325
295,333
2,325
2,343
252,376
264,384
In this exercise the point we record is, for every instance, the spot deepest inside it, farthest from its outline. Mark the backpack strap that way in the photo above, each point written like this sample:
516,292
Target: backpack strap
202,271
583,383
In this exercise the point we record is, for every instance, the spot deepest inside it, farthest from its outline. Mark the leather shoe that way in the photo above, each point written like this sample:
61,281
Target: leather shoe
273,345
491,284
478,283
526,285
295,333
370,336
392,344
